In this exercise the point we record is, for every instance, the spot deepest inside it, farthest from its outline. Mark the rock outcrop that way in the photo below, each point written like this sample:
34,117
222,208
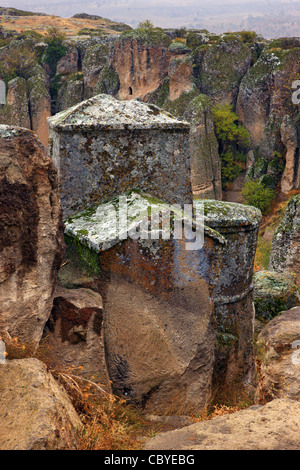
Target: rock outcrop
73,310
196,108
141,66
75,331
285,245
273,293
266,109
31,240
35,411
291,176
28,102
274,426
222,69
277,348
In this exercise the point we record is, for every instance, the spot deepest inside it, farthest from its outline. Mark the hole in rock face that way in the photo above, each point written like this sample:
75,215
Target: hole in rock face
130,90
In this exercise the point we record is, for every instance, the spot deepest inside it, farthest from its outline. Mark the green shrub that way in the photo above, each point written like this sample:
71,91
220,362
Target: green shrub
230,170
233,140
30,34
227,127
147,33
194,40
55,50
248,36
258,195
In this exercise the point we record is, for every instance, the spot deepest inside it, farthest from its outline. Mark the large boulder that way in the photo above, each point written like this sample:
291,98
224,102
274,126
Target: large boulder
35,411
285,245
75,333
274,426
31,233
277,352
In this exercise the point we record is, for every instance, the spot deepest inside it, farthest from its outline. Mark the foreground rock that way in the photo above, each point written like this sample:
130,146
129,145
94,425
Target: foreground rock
31,236
275,426
277,349
75,333
35,411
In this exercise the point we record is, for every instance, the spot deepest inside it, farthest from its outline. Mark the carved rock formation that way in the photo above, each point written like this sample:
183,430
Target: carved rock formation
168,294
126,144
141,67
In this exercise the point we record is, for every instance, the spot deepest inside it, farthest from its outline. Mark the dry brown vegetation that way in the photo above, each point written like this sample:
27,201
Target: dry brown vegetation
109,423
41,24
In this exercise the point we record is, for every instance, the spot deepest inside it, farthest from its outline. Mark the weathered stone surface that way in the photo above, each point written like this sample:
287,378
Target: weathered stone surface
230,273
273,293
266,109
31,240
223,68
69,62
75,331
274,426
40,108
104,147
155,348
181,76
277,348
141,67
16,112
205,160
35,411
108,81
73,309
285,245
196,108
161,351
290,140
253,102
95,59
70,93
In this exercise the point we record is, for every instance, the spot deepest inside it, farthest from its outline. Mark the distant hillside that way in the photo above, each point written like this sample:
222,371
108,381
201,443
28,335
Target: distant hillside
15,12
20,21
271,18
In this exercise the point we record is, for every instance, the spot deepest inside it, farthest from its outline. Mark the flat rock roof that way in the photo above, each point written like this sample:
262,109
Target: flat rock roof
100,227
107,112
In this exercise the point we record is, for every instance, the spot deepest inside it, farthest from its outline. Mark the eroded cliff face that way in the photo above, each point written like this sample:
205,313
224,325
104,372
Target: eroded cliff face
28,101
252,75
266,109
141,67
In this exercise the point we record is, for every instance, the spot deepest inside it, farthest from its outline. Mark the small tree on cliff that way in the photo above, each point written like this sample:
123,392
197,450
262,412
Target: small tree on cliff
146,32
233,141
147,24
56,49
